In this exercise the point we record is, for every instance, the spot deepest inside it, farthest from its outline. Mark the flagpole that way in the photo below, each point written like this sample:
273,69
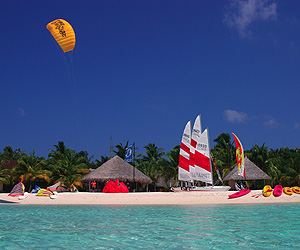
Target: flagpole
134,185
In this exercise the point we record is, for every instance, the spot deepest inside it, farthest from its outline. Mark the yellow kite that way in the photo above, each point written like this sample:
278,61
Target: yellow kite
63,33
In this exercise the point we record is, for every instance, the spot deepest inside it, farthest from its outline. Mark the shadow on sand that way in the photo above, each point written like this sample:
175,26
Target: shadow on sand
7,202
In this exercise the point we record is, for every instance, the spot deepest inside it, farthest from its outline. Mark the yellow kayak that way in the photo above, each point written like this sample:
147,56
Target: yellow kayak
267,191
296,190
287,191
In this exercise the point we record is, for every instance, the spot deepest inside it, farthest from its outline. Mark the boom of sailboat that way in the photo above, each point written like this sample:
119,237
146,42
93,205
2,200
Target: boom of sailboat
195,160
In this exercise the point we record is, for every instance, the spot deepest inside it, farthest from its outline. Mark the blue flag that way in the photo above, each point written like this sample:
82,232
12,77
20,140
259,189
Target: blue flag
129,153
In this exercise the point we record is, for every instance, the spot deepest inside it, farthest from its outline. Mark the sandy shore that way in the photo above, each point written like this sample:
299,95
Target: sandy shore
155,198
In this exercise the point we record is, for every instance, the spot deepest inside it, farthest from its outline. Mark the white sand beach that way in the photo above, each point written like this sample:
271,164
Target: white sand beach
149,198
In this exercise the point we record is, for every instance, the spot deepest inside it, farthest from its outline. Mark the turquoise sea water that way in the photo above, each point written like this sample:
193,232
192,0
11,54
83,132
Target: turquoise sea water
271,226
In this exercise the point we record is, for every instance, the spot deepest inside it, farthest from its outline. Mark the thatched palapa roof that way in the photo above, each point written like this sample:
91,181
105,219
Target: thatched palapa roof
116,168
252,172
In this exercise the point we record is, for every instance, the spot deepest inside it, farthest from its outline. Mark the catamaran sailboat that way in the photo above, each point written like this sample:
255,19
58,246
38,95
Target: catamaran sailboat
184,159
195,160
203,166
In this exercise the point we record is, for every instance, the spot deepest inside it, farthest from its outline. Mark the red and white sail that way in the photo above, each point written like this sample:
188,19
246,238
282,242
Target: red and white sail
202,160
184,155
196,133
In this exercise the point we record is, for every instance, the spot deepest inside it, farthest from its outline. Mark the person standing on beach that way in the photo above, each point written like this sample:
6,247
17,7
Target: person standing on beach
93,186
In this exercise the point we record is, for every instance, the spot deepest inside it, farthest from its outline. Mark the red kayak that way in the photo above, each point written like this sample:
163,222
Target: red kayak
239,193
277,190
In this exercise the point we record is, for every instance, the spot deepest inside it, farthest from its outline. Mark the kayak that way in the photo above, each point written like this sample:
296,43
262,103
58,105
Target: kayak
239,193
277,190
296,190
287,191
267,191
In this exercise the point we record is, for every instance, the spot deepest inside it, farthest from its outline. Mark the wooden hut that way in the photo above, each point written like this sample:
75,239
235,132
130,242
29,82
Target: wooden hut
115,168
252,173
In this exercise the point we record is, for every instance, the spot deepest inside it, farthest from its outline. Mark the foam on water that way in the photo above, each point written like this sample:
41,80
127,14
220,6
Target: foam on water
271,226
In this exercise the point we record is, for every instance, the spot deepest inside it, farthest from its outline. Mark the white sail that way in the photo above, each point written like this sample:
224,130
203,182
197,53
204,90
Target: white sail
184,155
202,160
196,132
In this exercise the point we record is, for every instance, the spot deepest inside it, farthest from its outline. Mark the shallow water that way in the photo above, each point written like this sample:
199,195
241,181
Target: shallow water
271,226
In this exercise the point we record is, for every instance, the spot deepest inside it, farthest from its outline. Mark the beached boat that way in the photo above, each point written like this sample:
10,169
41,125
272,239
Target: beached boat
287,190
296,190
178,189
277,190
184,155
184,175
240,193
195,160
267,191
203,167
210,188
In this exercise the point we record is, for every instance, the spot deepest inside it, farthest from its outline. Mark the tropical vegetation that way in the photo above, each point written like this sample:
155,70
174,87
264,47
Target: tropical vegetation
67,166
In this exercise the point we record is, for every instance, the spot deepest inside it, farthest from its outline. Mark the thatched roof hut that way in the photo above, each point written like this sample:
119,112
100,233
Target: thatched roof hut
252,173
116,168
162,183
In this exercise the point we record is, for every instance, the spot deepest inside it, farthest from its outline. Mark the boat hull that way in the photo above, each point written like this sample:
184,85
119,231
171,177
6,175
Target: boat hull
240,193
296,190
209,189
178,189
267,191
287,190
277,190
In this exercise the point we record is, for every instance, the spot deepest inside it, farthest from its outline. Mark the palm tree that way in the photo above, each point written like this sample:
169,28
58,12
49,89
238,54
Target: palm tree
151,163
224,153
170,165
4,174
67,167
149,169
103,159
10,154
60,150
262,157
29,169
121,150
153,153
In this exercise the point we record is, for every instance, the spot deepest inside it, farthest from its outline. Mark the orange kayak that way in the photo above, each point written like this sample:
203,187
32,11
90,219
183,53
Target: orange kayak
287,191
296,190
267,191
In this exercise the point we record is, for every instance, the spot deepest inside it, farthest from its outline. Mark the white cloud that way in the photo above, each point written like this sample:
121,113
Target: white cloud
240,14
234,116
270,122
21,112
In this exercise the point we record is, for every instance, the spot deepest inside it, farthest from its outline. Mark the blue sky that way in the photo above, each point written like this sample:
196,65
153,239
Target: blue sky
143,68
